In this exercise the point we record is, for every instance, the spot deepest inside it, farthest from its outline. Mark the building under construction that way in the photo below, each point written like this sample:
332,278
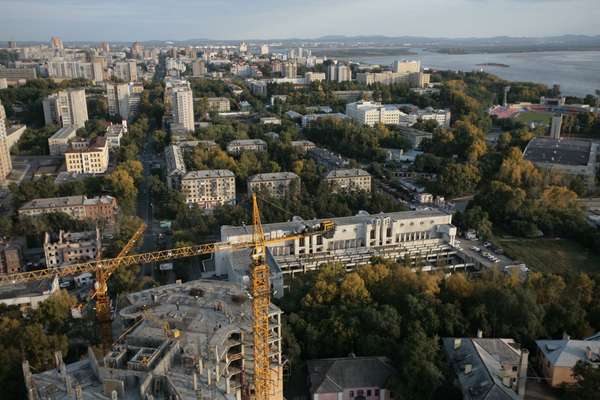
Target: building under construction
180,341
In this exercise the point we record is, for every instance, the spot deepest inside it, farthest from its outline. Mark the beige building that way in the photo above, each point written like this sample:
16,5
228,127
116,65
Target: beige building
66,108
91,159
78,207
311,77
71,247
290,70
558,357
416,79
303,145
5,161
56,43
59,142
372,113
198,68
237,146
218,104
182,108
209,189
276,184
11,255
349,180
126,71
339,73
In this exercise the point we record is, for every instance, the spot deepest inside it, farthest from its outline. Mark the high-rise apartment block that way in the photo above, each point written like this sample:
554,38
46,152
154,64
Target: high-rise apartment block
276,184
93,71
199,68
339,73
66,108
137,50
182,108
89,158
349,180
371,113
5,161
209,189
126,71
123,99
290,70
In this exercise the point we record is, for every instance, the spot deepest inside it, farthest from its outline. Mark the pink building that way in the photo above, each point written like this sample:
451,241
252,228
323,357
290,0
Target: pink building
350,378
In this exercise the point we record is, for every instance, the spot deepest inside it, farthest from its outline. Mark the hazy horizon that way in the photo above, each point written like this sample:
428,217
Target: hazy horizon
129,20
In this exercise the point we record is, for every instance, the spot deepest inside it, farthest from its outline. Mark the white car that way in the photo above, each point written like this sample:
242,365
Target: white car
475,248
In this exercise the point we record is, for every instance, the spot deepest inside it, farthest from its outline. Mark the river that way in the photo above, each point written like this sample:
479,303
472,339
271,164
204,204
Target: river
577,72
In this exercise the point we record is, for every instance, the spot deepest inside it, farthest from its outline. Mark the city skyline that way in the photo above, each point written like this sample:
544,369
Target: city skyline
127,20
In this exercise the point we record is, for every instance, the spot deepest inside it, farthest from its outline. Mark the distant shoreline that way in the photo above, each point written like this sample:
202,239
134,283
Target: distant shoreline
494,65
509,49
347,52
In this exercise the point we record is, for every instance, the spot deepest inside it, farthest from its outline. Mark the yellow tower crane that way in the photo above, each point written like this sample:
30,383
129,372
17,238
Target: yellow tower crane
260,290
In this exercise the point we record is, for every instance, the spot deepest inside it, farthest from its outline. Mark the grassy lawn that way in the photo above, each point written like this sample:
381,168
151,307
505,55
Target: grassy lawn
552,255
530,116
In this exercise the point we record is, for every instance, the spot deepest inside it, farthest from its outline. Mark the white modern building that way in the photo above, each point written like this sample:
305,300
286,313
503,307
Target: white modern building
372,113
66,108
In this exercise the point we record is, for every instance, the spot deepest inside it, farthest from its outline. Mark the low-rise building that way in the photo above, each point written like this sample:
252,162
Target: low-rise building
91,159
77,207
175,166
350,378
311,77
424,236
488,369
327,158
303,145
218,104
276,184
11,255
14,134
371,113
414,136
59,142
558,357
209,189
258,88
237,146
349,180
270,121
30,294
310,118
569,157
71,247
114,134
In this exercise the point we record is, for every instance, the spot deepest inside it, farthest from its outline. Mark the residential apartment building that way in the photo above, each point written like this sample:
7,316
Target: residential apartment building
558,357
16,75
175,166
77,207
349,180
441,116
235,147
424,238
114,133
311,77
66,108
371,113
290,70
123,99
209,189
339,73
71,247
56,43
488,369
59,142
417,79
182,108
14,134
350,378
5,161
406,66
218,104
93,71
258,88
199,68
126,71
91,159
276,184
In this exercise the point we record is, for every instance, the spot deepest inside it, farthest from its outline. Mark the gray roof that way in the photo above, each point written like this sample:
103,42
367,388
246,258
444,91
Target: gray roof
64,133
209,173
566,353
272,176
347,173
486,357
558,151
247,142
332,375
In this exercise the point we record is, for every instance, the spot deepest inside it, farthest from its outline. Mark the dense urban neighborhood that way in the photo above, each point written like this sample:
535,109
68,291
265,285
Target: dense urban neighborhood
264,220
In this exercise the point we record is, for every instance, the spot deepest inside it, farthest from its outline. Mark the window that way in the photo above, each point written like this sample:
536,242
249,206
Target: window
352,393
368,392
376,392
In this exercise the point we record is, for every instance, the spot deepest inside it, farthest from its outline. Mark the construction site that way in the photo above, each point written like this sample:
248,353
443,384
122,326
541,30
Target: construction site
183,341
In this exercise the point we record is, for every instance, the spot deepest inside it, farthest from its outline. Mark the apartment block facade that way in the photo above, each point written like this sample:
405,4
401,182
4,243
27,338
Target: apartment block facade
371,113
276,184
92,159
209,189
66,108
182,107
237,146
349,180
5,161
78,207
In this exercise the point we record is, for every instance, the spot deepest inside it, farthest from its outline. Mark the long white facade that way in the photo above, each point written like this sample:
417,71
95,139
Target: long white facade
371,113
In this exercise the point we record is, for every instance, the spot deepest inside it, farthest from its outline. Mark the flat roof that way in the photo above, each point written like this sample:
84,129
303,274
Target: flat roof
572,152
347,173
271,176
242,142
64,133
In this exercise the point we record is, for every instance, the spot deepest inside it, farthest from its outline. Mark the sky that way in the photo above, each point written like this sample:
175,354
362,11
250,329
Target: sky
128,20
